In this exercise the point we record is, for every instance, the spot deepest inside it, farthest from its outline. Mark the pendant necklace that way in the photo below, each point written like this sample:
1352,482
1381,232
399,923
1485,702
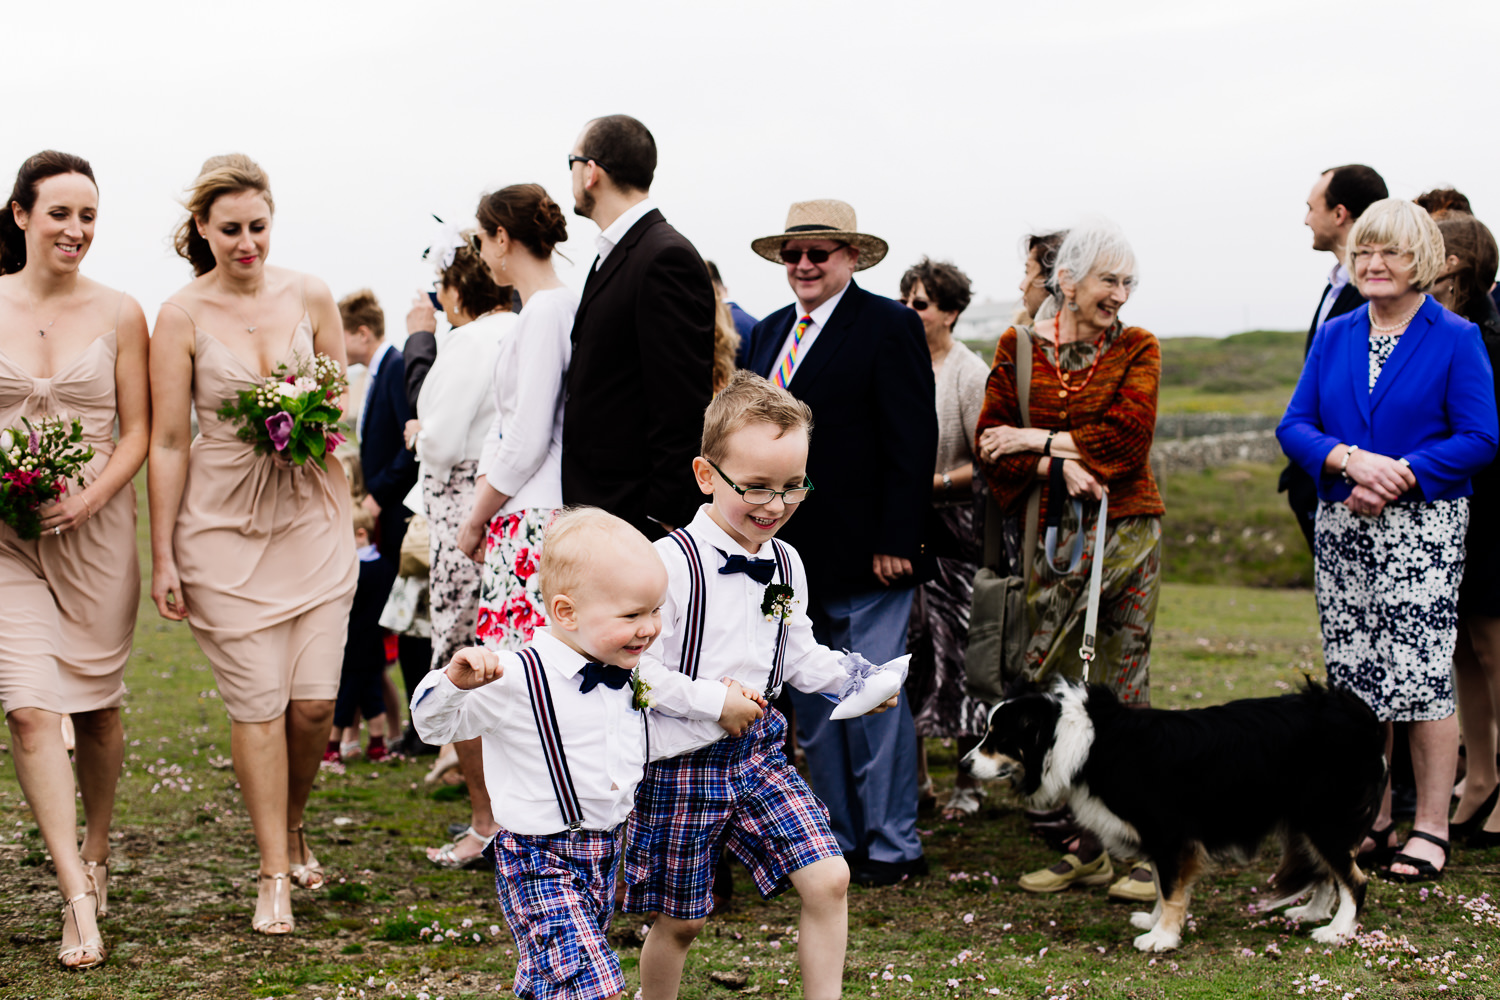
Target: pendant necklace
1062,376
247,326
37,313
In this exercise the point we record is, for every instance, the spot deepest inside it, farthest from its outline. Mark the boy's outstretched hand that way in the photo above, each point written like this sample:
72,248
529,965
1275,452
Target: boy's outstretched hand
472,667
742,706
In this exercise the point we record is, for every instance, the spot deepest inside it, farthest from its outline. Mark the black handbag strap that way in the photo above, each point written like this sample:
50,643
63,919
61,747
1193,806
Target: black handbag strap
994,523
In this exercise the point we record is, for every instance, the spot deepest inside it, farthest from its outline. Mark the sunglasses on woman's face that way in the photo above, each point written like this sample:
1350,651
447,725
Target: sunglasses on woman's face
920,305
790,256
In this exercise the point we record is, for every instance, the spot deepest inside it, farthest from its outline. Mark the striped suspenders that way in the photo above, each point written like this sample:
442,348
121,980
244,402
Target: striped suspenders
552,746
697,602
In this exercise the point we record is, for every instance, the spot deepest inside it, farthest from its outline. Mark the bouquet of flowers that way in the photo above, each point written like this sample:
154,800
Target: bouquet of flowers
293,413
36,462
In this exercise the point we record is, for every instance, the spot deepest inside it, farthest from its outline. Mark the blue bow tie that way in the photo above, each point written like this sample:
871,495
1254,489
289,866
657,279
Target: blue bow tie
759,570
595,674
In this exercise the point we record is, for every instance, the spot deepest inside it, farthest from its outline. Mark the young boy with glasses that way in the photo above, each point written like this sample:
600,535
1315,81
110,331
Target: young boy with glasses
736,606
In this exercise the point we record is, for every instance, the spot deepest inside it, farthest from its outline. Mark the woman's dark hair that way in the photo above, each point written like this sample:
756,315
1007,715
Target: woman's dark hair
527,214
624,148
477,293
1044,247
221,175
1471,241
945,284
1443,200
47,163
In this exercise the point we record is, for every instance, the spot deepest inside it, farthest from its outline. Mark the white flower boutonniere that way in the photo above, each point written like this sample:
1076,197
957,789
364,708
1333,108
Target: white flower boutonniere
640,692
778,602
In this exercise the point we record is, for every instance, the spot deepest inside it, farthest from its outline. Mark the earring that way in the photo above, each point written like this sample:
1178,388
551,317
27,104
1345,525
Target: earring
1072,306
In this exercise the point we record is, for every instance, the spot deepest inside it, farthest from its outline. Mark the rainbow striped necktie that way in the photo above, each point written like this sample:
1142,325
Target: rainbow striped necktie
784,370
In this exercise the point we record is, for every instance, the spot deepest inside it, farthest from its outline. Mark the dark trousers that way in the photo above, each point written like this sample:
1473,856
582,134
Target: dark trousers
364,652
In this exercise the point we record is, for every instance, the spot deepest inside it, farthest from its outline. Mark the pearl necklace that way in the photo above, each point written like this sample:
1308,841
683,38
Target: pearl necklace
1399,323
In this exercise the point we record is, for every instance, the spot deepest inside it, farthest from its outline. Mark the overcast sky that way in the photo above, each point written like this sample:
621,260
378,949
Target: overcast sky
953,128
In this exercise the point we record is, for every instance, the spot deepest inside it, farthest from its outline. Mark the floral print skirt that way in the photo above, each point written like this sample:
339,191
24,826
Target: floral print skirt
453,581
1387,589
510,589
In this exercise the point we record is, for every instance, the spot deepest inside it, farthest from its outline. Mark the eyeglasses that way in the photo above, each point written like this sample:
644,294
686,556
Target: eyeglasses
586,160
1391,255
474,242
760,495
919,305
790,256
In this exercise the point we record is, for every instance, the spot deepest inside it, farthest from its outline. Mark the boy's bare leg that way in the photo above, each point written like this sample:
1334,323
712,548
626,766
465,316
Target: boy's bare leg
663,955
824,932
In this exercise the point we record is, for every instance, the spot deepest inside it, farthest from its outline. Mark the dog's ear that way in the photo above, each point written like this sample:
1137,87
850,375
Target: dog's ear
1035,733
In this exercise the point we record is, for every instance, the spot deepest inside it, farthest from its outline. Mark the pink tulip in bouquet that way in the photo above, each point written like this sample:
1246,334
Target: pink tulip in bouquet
293,413
36,462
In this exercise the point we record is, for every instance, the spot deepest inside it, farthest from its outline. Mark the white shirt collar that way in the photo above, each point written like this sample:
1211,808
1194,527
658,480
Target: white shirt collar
1338,278
706,528
821,314
611,237
380,352
557,654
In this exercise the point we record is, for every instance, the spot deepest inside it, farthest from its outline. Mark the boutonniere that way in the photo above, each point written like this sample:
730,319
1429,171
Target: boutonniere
778,601
640,692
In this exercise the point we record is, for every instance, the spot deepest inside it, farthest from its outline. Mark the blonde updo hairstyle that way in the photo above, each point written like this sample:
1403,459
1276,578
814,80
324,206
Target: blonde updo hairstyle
1405,226
221,175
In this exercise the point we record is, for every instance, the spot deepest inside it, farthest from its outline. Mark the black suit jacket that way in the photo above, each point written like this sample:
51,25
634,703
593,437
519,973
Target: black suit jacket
1294,479
868,379
389,469
640,378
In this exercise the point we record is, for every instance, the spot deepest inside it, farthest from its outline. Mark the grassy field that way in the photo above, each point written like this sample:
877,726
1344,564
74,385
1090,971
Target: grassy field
392,925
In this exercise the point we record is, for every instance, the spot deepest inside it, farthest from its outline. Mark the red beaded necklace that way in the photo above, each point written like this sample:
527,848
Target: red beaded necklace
1062,376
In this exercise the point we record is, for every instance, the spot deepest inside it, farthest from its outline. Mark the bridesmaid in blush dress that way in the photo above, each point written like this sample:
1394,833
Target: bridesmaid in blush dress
256,555
70,347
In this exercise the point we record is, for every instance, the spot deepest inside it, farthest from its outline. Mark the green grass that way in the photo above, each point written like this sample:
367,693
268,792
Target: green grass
1228,525
182,892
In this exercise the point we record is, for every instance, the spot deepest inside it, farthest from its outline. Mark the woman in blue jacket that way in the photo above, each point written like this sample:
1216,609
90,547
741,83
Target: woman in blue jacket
1394,411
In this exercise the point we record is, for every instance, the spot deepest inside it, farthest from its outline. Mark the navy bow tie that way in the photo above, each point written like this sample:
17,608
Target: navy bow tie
595,674
759,570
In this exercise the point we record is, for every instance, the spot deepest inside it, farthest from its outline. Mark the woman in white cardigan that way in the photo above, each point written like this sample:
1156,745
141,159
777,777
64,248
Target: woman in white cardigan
457,411
520,483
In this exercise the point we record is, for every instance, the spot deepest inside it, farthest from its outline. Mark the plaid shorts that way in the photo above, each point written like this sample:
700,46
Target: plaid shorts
558,893
741,792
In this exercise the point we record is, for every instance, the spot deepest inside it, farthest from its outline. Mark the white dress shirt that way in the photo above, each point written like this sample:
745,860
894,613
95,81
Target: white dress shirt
602,735
457,402
522,455
738,641
819,320
374,369
1337,279
611,237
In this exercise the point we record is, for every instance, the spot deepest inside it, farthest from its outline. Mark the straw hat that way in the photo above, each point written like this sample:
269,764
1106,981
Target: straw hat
824,219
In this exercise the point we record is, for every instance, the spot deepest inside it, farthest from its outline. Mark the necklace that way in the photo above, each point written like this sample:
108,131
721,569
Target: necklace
1066,377
248,327
1399,323
36,314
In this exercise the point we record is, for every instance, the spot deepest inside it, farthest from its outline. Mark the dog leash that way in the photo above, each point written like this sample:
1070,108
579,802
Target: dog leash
1096,581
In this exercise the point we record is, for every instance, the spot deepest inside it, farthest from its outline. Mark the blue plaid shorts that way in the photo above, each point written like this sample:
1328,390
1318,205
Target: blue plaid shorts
558,893
740,792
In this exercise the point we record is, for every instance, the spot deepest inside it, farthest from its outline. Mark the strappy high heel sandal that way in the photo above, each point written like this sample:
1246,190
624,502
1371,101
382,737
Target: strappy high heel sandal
101,885
277,923
309,875
89,953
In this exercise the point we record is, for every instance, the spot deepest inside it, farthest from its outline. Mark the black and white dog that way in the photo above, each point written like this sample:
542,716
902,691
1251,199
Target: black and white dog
1183,788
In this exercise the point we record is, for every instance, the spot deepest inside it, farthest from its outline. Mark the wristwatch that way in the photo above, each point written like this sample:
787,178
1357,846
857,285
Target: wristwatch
947,483
1047,448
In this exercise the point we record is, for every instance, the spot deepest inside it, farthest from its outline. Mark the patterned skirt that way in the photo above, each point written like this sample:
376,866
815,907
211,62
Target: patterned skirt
1387,589
510,589
1056,604
936,638
453,581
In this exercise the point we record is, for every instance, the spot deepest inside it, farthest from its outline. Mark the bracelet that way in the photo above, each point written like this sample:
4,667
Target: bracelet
947,483
1047,448
1344,465
88,511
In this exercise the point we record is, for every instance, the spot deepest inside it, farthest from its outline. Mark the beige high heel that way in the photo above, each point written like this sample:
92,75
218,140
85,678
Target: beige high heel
101,885
276,923
91,952
309,875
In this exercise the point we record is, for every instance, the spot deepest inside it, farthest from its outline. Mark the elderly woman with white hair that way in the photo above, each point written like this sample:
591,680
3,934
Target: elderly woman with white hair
1088,429
1394,413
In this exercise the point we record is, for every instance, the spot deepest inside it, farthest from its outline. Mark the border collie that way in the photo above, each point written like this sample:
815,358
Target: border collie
1184,788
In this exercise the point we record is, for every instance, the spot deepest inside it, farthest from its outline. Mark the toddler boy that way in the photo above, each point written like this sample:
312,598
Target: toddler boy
736,604
564,747
360,688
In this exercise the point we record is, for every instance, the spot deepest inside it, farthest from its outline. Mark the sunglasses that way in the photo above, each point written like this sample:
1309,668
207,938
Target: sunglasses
790,256
919,304
586,161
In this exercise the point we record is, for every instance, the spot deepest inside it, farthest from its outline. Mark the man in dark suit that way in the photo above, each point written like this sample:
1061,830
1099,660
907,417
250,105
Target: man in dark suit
389,469
643,342
1340,196
860,361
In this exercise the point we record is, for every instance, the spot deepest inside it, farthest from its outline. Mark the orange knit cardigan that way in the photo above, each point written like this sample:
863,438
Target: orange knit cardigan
1112,421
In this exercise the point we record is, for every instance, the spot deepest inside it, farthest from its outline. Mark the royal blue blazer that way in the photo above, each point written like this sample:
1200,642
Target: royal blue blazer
1433,405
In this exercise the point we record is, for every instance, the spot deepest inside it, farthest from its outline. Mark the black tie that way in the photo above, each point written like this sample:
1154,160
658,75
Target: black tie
595,674
759,570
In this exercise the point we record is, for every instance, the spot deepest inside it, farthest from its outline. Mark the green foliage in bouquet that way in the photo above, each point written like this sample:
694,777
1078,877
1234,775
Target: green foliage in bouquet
293,413
36,462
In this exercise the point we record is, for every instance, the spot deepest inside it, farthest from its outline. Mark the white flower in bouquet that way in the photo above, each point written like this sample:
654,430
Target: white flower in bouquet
288,389
7,442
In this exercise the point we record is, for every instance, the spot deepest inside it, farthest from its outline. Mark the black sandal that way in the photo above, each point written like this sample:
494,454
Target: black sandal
1381,854
1426,870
